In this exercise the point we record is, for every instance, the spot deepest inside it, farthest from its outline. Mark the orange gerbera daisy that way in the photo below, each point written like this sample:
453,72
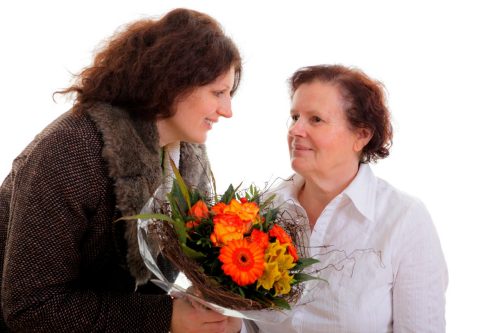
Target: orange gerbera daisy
280,234
243,261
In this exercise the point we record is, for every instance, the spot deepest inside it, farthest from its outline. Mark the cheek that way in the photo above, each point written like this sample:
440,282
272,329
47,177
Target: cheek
197,116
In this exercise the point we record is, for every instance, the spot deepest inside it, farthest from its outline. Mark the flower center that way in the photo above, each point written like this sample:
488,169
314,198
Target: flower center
243,259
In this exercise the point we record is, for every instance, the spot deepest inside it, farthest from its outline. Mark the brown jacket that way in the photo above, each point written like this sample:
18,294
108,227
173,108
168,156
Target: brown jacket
66,266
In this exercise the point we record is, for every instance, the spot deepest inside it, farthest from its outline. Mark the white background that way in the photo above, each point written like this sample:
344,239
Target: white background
438,60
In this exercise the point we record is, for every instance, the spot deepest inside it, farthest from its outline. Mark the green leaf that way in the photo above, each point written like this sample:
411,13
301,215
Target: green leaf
268,201
180,230
196,196
301,277
270,217
305,262
178,206
228,195
181,183
281,303
191,253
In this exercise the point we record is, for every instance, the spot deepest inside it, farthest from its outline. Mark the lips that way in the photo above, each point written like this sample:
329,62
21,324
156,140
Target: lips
210,122
300,147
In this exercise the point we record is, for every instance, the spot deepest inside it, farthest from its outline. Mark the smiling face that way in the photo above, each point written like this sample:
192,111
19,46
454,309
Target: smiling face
320,139
196,113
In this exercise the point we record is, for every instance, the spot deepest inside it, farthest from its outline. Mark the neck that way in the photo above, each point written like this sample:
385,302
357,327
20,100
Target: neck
166,134
328,185
319,190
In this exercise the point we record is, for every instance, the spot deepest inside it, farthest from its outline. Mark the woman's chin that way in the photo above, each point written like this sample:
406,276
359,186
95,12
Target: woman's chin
197,140
299,165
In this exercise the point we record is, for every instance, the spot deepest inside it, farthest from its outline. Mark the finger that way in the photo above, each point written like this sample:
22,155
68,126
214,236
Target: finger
211,316
215,327
199,303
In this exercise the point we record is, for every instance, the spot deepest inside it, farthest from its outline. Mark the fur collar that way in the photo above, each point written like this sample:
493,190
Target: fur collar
132,152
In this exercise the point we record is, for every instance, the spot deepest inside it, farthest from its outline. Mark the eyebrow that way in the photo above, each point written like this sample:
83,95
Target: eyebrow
305,111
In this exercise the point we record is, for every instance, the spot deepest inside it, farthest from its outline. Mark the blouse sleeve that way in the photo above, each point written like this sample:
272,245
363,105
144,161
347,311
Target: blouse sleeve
58,185
421,275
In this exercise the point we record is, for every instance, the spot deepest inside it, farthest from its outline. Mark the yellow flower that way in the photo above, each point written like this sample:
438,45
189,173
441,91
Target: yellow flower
282,286
277,264
275,250
270,276
284,261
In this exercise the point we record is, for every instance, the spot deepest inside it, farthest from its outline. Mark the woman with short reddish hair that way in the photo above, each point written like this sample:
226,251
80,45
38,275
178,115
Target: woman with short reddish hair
377,246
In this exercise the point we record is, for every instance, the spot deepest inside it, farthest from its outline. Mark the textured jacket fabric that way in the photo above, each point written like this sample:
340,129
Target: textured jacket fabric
67,265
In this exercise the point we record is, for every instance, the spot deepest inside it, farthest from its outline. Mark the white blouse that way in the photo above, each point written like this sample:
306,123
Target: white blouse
381,255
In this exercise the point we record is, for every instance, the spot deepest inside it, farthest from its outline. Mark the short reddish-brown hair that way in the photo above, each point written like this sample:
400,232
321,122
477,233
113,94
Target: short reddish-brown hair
365,103
151,63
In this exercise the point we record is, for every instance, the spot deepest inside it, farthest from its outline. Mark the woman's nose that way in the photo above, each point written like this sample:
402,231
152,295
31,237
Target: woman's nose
296,128
225,109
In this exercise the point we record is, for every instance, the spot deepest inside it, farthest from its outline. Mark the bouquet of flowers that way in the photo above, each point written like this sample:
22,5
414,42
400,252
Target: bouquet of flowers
236,250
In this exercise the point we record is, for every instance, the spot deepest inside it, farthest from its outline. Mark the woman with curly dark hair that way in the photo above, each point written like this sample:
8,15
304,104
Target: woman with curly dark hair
154,90
377,246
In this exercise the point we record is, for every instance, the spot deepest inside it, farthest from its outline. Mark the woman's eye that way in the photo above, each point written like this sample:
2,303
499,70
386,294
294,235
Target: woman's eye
219,93
316,119
294,117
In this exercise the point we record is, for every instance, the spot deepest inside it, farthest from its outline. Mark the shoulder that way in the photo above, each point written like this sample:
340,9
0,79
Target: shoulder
71,145
68,135
402,217
63,164
284,190
406,215
391,200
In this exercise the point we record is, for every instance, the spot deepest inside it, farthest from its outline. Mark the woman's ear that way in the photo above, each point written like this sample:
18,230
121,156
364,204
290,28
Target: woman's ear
363,136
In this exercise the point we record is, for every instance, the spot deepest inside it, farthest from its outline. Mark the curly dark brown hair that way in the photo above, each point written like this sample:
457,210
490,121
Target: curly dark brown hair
151,63
365,103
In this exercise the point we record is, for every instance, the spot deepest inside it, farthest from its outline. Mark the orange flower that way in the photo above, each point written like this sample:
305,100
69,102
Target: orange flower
192,224
247,211
243,261
285,239
228,227
260,238
199,210
293,252
218,208
280,234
